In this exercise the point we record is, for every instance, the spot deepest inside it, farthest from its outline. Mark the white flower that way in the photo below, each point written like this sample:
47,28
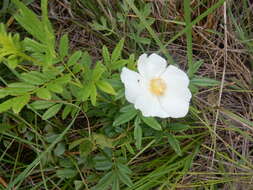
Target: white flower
157,90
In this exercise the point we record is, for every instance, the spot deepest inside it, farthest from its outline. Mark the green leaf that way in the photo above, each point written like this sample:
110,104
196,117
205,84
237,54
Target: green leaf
32,77
66,173
124,168
125,178
52,111
6,105
193,88
104,182
129,148
41,104
102,163
127,108
66,162
188,162
124,117
66,94
86,147
76,143
59,149
131,62
77,68
115,183
139,39
103,141
48,32
3,93
106,55
20,102
63,80
178,127
187,19
66,111
29,21
105,87
116,54
86,60
16,89
119,64
151,122
204,82
47,75
195,68
98,71
64,46
74,58
78,184
238,118
12,62
5,127
51,74
174,143
23,85
93,95
85,92
33,46
55,87
44,93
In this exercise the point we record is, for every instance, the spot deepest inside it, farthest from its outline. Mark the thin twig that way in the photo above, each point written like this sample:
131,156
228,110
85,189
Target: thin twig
222,80
2,181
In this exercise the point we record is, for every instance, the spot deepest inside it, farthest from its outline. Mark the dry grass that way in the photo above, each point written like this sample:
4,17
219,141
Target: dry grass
226,58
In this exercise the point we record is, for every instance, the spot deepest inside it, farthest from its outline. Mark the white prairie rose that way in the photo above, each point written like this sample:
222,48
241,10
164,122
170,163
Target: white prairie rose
157,90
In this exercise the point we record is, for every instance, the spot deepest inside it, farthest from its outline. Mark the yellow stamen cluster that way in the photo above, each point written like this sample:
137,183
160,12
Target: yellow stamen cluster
157,87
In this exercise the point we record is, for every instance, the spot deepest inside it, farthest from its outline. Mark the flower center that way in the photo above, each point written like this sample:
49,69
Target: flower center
157,86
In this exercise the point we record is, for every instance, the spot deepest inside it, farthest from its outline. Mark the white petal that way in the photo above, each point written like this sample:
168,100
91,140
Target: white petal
174,76
152,66
150,106
176,103
182,93
132,85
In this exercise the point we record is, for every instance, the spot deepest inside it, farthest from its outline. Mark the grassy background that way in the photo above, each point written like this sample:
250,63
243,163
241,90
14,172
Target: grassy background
219,142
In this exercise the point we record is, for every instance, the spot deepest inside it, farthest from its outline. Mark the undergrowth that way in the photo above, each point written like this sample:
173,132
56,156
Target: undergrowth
65,122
